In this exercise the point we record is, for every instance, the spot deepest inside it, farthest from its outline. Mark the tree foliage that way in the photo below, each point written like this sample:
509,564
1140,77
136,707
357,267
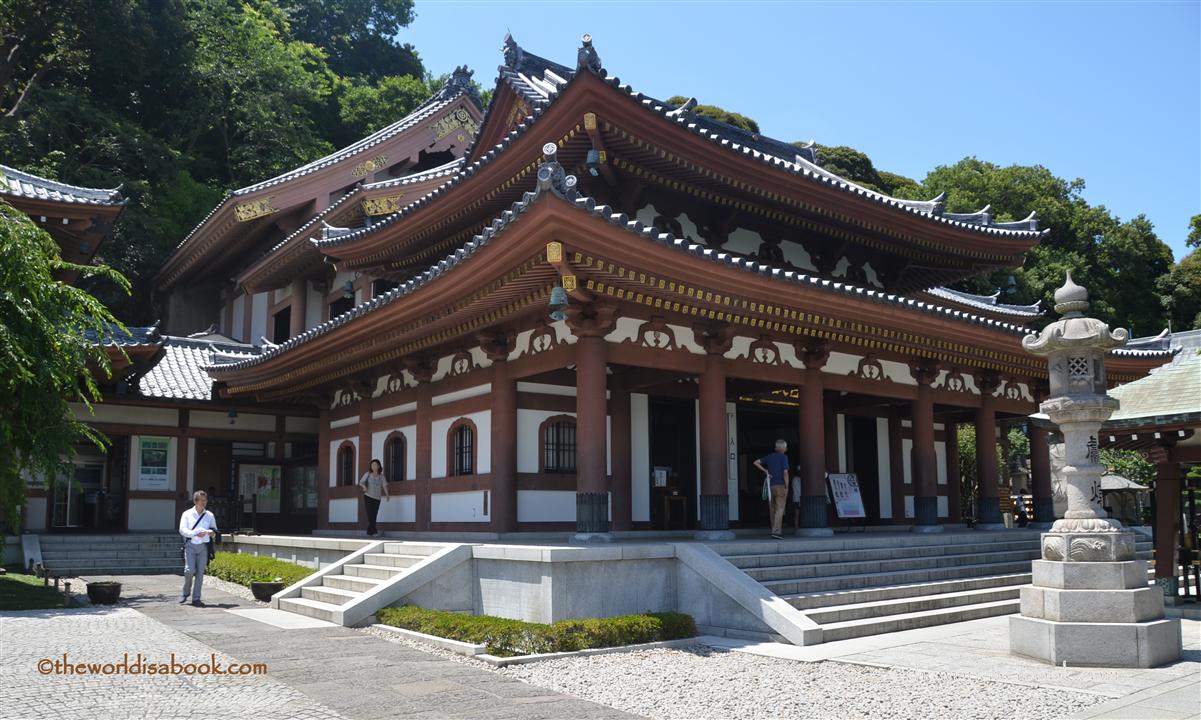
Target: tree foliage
716,113
180,101
46,359
1130,464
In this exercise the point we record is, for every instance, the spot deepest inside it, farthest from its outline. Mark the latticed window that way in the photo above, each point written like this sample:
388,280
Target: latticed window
464,450
395,456
346,466
558,447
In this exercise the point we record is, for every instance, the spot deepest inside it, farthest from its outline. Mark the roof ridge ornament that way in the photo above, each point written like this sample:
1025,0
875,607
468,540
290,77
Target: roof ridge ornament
513,52
685,108
552,176
586,57
459,83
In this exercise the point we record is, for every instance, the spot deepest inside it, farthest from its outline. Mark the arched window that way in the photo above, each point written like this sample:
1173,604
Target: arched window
346,464
394,457
461,448
558,444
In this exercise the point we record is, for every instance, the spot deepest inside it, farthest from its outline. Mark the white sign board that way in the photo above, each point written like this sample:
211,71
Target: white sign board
848,503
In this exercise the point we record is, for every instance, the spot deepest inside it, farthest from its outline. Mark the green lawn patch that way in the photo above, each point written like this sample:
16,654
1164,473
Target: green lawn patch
19,591
245,569
505,638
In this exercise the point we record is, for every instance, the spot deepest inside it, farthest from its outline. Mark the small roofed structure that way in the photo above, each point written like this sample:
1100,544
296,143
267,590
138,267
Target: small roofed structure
78,218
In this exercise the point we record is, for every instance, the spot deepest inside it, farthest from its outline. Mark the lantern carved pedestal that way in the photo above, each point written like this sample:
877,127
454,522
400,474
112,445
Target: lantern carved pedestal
1089,602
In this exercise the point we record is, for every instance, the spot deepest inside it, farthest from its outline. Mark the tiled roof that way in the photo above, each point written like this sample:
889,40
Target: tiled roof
540,81
551,179
22,184
458,84
180,373
1171,390
987,302
129,337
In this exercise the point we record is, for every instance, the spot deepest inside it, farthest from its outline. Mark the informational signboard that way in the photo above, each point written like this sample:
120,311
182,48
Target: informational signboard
262,481
844,487
152,463
661,474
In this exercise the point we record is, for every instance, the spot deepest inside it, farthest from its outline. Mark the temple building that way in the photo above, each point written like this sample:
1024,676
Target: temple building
579,309
599,315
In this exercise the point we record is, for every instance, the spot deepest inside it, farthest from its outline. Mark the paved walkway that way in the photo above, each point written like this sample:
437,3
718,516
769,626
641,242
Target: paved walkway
980,649
329,672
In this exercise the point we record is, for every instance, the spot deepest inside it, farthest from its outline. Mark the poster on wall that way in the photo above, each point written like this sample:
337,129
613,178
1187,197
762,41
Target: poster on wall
848,503
263,482
152,463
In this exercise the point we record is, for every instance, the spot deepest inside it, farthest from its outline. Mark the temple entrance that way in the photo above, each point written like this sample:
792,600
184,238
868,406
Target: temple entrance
863,460
673,473
758,429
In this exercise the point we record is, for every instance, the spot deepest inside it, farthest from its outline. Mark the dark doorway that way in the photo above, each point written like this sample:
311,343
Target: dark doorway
281,325
863,460
673,453
758,429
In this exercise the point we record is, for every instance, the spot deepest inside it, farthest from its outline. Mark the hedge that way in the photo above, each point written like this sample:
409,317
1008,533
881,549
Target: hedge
245,569
505,637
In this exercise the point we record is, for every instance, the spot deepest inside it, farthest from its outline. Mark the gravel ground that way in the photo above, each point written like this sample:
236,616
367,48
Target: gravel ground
701,682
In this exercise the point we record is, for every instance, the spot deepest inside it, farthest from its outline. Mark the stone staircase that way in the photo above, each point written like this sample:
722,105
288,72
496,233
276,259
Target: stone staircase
862,585
357,577
132,554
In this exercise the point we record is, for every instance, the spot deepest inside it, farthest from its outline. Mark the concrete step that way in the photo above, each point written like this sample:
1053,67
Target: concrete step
872,554
158,551
810,601
910,621
393,559
868,541
899,577
380,572
311,608
921,603
794,572
176,569
114,539
130,564
412,548
331,595
353,583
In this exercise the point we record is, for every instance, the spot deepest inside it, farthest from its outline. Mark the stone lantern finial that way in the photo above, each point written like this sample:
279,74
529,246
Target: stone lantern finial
1071,299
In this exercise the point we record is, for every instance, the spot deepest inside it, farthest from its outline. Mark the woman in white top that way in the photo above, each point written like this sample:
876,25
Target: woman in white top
374,485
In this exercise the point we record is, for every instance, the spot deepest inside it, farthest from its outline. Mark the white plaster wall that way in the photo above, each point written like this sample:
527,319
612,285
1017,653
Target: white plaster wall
410,435
239,328
906,458
940,459
461,394
398,508
640,459
126,415
459,506
344,422
897,372
841,364
258,317
796,254
313,307
529,444
909,507
944,507
302,425
135,462
732,457
282,293
483,442
34,514
696,428
345,510
743,241
221,421
394,410
333,459
884,467
544,389
152,515
546,506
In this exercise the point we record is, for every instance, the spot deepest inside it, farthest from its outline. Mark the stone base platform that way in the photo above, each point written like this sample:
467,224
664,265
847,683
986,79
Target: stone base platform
1134,645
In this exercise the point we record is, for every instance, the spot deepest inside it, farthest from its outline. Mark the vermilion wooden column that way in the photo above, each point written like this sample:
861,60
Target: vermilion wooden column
925,469
590,323
300,298
619,425
813,442
422,372
504,432
715,494
323,476
1040,476
1167,517
988,514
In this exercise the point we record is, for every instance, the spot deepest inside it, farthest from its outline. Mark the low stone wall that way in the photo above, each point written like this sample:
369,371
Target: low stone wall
313,552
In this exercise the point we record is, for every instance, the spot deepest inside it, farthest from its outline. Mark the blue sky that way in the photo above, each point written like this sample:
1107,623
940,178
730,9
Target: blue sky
1106,91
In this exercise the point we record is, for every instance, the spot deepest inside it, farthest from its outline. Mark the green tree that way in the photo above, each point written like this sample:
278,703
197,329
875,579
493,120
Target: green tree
1130,464
1180,292
364,109
1194,232
721,114
358,35
46,358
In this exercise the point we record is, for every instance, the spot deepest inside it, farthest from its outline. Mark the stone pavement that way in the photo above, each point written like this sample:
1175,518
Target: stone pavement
329,672
980,649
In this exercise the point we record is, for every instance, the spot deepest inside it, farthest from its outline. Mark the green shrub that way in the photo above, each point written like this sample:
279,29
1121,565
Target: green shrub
505,637
245,569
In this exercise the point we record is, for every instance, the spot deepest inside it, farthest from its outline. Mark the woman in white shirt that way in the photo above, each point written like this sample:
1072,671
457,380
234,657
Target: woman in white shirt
374,485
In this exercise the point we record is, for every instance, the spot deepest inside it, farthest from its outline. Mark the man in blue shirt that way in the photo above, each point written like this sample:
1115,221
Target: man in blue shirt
775,466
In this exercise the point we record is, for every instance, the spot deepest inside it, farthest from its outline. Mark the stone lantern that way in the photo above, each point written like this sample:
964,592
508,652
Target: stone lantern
1089,603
